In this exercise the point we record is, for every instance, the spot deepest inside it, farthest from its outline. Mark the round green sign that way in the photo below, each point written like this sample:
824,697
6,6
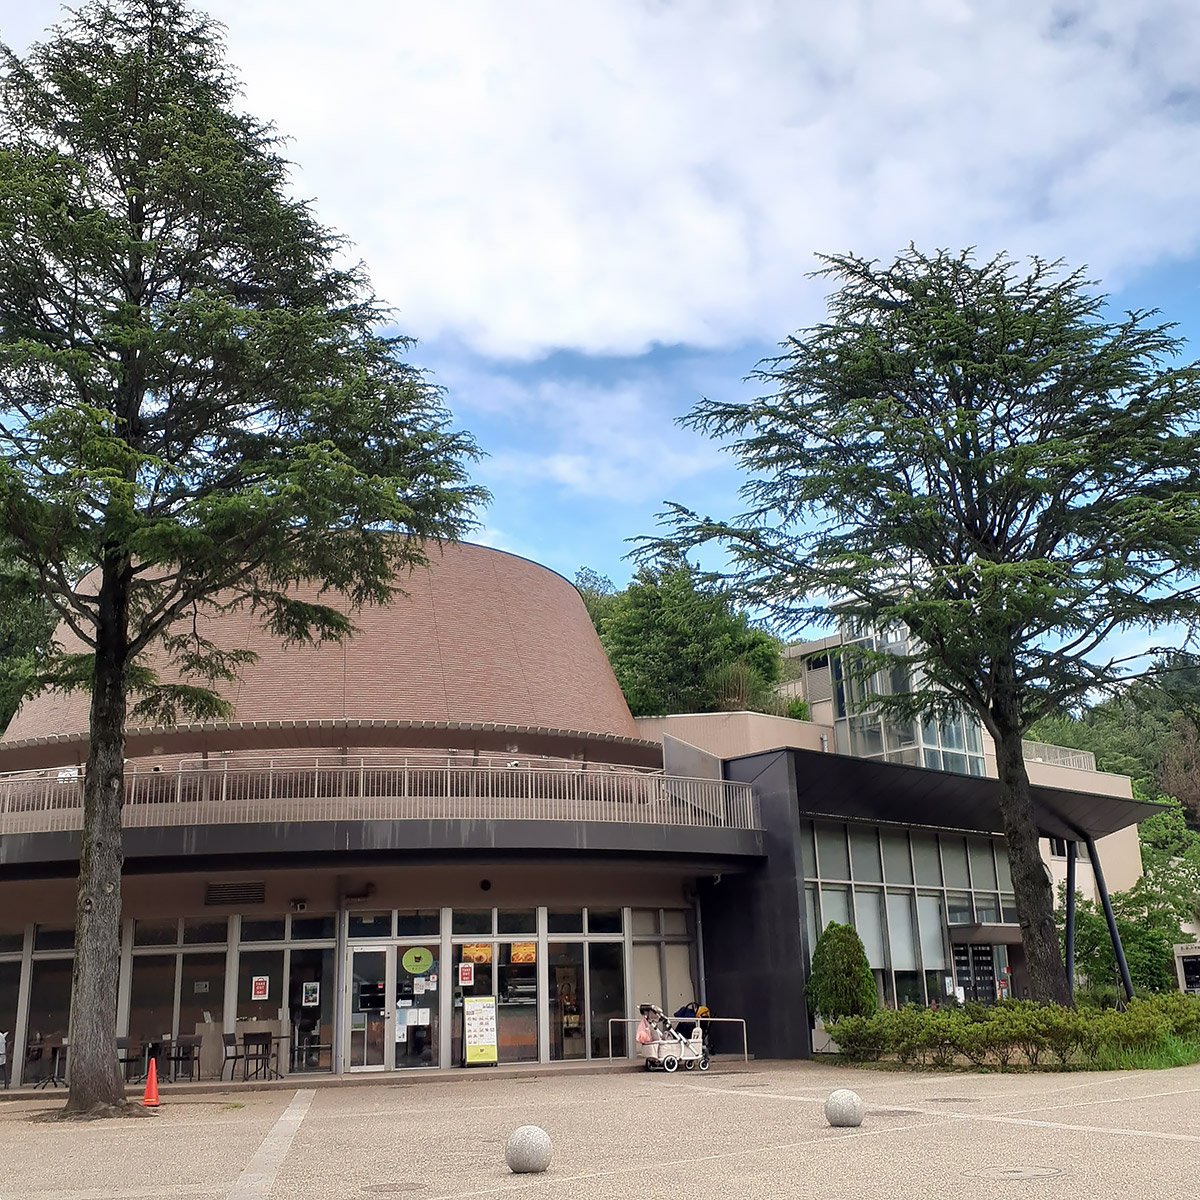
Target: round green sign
417,960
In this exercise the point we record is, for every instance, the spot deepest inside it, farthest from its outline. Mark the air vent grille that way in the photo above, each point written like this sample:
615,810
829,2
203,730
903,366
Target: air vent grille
239,894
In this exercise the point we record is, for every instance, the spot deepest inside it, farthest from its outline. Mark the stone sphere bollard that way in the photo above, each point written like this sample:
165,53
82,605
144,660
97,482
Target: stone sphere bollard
528,1150
844,1108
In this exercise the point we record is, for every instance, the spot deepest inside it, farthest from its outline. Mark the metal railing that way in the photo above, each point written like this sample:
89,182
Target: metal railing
1058,756
230,794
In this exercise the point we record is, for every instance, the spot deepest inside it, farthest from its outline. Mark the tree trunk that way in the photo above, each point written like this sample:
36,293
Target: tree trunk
1031,886
96,1084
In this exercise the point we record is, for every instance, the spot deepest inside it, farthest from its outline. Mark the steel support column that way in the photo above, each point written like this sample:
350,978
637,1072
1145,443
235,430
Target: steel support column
1098,871
1070,964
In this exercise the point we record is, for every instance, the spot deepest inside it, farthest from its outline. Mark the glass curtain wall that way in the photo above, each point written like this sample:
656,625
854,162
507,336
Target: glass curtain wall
902,889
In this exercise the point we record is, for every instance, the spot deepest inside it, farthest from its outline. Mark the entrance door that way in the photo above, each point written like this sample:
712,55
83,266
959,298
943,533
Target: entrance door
371,972
393,1007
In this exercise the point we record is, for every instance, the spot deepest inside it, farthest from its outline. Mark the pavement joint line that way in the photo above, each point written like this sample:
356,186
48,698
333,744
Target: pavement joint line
994,1118
258,1178
656,1165
1018,1112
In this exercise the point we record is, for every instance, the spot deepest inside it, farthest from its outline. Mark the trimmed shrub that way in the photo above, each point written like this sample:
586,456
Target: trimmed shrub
841,983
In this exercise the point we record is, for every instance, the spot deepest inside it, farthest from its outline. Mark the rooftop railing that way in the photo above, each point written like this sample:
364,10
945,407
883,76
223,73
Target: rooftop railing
231,794
1059,756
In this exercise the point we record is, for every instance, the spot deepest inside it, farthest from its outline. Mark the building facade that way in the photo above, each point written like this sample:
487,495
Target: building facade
457,804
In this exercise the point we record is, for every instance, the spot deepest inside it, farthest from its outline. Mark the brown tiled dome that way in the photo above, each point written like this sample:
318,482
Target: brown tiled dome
483,636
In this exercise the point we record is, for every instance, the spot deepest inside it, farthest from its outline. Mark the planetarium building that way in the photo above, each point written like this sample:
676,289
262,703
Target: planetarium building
457,804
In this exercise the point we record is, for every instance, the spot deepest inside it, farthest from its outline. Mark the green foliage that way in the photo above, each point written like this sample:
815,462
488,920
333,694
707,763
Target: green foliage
677,644
840,983
1149,917
195,398
798,710
26,633
1162,1031
978,455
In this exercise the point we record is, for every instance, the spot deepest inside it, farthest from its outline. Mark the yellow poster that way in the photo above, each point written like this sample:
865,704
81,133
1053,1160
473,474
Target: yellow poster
479,1030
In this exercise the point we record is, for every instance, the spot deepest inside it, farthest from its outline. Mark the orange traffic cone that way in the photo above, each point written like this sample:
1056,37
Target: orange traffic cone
150,1100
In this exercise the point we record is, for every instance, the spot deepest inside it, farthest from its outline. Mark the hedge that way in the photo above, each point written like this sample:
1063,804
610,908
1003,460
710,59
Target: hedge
1161,1031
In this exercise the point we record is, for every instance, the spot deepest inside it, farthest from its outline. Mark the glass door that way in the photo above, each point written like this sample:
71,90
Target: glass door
370,1015
416,1003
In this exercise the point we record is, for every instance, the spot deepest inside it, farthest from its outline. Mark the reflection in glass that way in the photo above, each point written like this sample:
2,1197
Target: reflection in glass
49,1014
368,1012
516,1008
152,1001
416,1038
568,1037
310,1009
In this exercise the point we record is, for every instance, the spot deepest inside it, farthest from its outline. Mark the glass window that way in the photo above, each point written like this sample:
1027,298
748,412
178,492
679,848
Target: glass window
263,929
481,986
568,1034
367,925
925,856
868,920
152,999
260,992
987,908
677,922
310,1007
604,920
516,921
811,915
832,856
417,1011
205,931
902,931
864,854
974,740
471,921
975,766
10,990
516,1002
606,986
49,1015
866,737
932,924
156,932
958,908
310,929
201,993
954,861
896,863
933,759
808,849
1008,909
835,906
954,762
952,735
565,920
908,988
418,922
12,943
983,866
46,937
1002,867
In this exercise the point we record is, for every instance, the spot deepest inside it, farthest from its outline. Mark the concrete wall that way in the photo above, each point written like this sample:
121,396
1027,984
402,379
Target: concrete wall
733,734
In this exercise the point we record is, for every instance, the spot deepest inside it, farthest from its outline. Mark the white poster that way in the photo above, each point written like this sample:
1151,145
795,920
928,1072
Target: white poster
479,1029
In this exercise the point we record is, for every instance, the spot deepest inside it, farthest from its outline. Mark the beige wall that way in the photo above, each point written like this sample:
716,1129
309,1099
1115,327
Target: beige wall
735,733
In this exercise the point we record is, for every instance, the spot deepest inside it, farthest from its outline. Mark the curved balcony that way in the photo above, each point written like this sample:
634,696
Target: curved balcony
419,804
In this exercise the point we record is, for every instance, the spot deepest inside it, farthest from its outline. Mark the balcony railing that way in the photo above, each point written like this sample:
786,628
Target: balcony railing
230,794
1059,756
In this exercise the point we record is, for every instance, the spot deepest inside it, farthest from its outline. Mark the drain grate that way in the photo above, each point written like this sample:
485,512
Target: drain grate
1014,1172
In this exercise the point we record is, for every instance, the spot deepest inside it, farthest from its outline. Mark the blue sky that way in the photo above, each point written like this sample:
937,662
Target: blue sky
593,213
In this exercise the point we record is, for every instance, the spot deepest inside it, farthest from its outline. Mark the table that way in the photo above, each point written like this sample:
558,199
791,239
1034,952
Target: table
58,1064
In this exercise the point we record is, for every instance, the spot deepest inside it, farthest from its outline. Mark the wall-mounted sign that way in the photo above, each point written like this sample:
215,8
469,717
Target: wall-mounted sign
466,974
260,987
523,952
311,995
477,953
479,1031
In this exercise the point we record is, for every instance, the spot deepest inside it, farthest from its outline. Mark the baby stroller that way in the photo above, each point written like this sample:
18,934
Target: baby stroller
660,1044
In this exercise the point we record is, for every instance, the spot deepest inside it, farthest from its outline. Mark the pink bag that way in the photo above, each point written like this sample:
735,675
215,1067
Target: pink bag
644,1034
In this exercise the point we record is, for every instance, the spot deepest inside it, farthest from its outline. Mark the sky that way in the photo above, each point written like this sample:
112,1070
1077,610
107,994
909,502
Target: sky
594,213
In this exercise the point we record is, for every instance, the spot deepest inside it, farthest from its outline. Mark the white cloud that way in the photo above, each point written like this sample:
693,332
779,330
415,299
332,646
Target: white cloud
606,174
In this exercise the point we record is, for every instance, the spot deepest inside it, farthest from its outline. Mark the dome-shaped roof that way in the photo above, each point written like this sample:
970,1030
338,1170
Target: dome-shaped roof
482,636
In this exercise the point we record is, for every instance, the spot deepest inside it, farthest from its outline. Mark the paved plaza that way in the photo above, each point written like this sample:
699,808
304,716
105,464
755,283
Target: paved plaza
745,1133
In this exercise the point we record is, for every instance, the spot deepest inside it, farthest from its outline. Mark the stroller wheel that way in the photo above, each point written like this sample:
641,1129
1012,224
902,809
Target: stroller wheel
649,1064
704,1063
670,1063
690,1065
